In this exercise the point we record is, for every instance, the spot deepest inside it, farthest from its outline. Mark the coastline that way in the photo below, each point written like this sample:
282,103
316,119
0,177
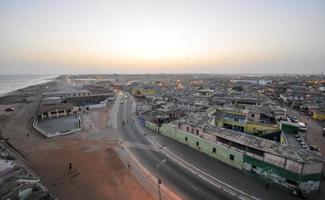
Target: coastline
29,83
97,170
28,93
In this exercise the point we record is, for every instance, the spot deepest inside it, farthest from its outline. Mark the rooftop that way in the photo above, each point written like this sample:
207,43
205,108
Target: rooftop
293,153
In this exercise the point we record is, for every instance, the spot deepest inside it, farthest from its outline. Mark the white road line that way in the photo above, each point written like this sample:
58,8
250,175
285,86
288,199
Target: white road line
196,170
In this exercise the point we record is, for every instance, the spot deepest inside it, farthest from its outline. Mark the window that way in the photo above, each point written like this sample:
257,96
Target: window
192,130
188,129
186,139
214,150
238,146
253,115
222,140
179,125
255,151
231,157
197,132
236,119
197,144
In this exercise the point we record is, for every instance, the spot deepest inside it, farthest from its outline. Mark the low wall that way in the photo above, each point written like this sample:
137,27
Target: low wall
151,126
144,177
50,135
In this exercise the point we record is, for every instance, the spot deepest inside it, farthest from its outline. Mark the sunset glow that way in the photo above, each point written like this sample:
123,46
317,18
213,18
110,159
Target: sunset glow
162,36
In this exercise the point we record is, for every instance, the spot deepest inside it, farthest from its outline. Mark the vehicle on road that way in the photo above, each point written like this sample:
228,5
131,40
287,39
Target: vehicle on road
10,109
314,148
294,119
302,126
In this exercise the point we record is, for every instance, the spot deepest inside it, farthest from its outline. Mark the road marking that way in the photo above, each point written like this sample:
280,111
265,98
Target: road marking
195,188
198,171
203,175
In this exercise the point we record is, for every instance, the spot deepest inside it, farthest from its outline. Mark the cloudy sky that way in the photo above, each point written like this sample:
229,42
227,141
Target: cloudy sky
191,36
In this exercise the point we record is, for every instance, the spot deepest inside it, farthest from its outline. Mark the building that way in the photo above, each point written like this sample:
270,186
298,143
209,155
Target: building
69,93
17,181
255,121
205,93
318,114
294,168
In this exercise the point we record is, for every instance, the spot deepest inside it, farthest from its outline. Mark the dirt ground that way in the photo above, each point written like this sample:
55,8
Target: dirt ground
97,172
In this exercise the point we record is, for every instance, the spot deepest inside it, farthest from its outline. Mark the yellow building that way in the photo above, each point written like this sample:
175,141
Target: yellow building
244,122
319,114
260,129
142,91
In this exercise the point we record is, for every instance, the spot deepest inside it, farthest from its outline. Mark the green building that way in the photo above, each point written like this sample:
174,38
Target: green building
295,169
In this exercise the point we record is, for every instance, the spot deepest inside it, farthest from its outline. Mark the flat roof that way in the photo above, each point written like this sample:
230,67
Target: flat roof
66,91
294,153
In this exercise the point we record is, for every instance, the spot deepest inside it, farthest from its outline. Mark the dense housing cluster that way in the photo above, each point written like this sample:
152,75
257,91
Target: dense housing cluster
240,120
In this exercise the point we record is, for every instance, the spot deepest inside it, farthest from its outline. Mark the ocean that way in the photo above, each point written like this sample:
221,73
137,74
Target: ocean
9,83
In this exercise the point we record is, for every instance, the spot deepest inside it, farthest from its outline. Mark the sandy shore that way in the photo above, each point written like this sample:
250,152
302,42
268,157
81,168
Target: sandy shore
97,171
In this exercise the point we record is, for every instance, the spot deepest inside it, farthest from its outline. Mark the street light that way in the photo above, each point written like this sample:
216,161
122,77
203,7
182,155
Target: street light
157,171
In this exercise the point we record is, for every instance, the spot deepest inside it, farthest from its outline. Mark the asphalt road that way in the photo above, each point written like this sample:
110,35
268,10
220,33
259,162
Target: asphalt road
183,182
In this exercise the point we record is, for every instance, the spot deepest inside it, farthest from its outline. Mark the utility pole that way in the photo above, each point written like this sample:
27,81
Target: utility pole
159,181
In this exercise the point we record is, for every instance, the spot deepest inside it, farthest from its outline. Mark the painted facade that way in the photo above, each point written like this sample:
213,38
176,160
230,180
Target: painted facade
290,173
318,115
241,122
143,91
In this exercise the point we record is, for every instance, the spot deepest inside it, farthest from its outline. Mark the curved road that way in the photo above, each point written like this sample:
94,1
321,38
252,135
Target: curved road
184,183
146,147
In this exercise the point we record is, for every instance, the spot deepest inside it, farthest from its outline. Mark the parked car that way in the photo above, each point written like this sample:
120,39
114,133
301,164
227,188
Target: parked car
314,148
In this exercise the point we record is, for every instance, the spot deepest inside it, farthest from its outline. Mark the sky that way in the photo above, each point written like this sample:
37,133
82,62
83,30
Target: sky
167,36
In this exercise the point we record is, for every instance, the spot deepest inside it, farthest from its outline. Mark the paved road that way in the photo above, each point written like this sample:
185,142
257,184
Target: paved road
174,176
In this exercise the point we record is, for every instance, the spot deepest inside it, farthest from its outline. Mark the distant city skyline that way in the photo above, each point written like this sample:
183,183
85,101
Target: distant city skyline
185,36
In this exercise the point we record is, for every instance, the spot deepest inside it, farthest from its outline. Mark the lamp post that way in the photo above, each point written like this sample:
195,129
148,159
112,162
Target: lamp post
159,181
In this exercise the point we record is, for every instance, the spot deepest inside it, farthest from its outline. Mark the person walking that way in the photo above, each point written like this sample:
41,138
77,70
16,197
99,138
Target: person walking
70,166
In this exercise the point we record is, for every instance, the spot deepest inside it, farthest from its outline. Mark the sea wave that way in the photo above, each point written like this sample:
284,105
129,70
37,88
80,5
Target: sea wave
10,83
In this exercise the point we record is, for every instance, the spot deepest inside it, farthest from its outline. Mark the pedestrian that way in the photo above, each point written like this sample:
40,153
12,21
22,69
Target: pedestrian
27,134
267,186
70,166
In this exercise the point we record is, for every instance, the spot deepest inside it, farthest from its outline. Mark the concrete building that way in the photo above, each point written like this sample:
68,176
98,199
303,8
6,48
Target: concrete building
56,110
254,121
294,168
67,93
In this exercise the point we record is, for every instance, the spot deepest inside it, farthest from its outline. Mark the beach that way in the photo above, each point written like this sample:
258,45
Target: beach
97,172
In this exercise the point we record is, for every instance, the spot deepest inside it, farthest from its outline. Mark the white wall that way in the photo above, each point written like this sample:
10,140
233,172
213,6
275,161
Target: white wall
314,168
273,159
293,166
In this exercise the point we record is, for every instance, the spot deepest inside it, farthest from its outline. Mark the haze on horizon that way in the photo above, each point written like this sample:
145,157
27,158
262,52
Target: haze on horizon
167,36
